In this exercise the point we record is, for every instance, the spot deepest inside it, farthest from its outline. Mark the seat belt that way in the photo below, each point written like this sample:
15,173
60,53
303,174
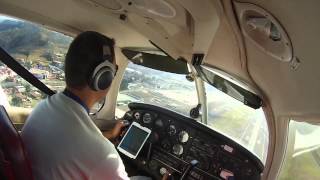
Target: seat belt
24,73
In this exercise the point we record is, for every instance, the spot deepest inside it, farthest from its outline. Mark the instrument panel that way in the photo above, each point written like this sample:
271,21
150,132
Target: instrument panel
187,148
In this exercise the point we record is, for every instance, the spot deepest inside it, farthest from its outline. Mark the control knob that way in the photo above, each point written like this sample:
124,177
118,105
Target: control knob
137,115
177,149
163,171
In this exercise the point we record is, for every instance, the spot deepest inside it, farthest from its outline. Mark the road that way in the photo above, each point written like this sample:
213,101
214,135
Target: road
256,138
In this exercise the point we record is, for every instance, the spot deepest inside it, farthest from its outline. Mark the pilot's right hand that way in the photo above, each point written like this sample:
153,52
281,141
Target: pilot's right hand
115,132
166,176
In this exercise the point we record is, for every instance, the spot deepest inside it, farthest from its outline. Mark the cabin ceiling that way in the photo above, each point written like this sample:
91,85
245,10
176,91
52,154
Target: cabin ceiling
183,27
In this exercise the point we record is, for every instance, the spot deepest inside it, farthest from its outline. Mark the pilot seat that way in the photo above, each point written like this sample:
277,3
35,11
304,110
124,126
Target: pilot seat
14,164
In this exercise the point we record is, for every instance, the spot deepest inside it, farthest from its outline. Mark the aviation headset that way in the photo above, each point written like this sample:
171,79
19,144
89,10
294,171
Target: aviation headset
103,74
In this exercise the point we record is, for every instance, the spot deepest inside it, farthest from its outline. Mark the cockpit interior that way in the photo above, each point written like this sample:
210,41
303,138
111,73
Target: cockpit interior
229,89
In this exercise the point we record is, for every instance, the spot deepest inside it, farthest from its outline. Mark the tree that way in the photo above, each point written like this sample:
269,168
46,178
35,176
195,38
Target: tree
48,56
28,88
28,65
16,101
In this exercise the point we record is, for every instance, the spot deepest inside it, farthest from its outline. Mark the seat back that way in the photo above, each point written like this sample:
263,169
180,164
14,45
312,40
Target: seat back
14,164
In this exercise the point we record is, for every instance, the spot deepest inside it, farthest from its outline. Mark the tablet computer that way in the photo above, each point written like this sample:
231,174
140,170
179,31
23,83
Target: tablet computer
133,140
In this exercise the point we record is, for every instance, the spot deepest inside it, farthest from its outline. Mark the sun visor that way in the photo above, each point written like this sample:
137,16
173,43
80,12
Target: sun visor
227,84
156,60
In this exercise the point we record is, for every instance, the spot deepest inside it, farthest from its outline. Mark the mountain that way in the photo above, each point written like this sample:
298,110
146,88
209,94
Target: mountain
19,37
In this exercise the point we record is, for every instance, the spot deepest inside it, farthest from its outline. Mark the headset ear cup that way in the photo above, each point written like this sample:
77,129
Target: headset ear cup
92,82
103,79
102,76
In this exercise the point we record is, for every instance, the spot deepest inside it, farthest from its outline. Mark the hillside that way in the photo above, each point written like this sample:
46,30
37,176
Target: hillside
40,51
26,39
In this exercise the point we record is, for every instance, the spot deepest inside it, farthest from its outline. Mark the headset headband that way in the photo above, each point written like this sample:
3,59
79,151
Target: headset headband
105,63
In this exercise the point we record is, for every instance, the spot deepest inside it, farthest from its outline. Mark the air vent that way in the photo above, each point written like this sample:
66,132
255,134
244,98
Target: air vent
264,31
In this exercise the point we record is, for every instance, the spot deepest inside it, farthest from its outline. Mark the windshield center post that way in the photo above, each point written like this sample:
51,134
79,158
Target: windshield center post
202,99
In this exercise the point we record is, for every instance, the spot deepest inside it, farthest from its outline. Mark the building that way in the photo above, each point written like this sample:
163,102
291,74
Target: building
39,73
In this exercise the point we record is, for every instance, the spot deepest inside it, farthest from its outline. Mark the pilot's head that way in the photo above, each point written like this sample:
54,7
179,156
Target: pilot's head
90,64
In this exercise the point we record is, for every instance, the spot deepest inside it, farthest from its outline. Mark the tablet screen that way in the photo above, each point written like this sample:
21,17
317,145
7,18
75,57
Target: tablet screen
133,140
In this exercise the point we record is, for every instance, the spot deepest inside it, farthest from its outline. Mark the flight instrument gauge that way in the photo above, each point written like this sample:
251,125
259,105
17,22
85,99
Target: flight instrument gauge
177,149
147,118
172,130
183,136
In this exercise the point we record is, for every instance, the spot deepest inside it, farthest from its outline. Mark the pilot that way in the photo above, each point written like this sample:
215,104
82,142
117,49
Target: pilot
60,138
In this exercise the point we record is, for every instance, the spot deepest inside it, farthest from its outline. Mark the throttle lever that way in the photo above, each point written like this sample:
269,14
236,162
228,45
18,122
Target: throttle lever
149,152
153,138
189,167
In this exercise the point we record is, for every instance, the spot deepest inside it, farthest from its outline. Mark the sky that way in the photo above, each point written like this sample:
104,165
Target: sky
2,18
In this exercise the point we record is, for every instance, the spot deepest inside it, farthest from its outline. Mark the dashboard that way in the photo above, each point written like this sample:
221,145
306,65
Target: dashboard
189,149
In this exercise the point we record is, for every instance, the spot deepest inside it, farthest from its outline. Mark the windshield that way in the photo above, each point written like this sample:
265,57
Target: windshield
160,88
243,124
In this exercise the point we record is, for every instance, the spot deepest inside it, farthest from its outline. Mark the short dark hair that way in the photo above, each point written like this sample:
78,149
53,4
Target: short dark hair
84,54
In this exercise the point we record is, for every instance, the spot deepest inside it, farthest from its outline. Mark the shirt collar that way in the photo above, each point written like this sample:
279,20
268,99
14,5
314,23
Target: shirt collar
76,98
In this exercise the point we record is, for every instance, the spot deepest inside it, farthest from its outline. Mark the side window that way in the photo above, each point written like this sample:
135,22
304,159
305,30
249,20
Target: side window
15,91
39,50
302,160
